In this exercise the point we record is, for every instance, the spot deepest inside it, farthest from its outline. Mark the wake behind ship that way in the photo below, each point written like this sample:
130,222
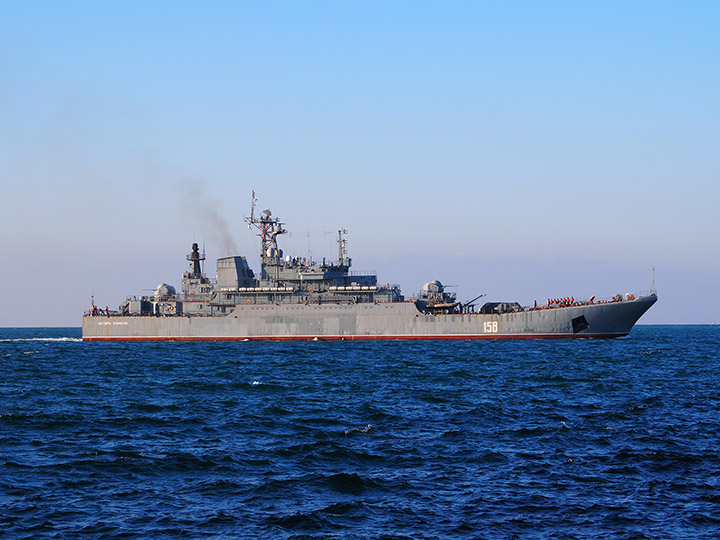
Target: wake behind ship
294,298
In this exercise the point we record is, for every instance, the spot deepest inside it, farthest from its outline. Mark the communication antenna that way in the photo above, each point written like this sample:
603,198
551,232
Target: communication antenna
252,207
342,246
251,221
652,287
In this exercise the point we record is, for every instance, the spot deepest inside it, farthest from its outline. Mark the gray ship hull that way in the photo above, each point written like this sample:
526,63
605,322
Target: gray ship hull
371,321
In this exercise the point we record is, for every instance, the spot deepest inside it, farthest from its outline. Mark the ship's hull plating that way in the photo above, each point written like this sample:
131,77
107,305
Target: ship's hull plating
381,321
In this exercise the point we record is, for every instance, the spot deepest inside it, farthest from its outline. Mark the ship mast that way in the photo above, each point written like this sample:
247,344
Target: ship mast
194,257
269,228
653,290
342,246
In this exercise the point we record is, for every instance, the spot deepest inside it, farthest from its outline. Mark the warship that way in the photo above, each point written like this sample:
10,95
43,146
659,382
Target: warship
297,298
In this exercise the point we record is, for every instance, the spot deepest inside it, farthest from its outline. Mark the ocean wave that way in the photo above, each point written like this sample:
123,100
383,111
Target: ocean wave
371,440
351,483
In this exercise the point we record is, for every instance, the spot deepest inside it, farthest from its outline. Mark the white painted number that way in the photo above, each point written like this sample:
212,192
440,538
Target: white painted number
490,327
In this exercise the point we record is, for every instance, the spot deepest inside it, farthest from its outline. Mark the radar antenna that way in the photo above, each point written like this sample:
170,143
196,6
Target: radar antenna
269,228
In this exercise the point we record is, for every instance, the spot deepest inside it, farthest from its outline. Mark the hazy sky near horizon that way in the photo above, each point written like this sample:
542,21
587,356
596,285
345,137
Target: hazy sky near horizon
570,146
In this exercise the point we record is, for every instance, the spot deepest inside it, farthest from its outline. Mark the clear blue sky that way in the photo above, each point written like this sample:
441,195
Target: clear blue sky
530,151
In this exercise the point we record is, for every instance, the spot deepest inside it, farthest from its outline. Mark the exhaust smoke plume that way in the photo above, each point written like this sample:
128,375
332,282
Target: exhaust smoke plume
207,214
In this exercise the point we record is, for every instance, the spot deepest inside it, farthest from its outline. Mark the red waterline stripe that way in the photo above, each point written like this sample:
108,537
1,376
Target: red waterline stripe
453,337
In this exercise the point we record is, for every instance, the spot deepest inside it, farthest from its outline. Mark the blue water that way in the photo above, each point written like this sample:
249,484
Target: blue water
400,440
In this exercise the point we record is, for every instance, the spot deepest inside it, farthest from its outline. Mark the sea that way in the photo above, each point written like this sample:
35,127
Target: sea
587,439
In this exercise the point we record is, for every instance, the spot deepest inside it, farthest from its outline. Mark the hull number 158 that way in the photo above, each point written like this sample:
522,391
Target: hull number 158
490,327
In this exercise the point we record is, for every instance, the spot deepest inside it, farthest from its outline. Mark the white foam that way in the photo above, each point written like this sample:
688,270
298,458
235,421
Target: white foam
359,430
49,339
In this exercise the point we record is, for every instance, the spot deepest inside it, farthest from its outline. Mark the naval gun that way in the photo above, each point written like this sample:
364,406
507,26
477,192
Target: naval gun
433,299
